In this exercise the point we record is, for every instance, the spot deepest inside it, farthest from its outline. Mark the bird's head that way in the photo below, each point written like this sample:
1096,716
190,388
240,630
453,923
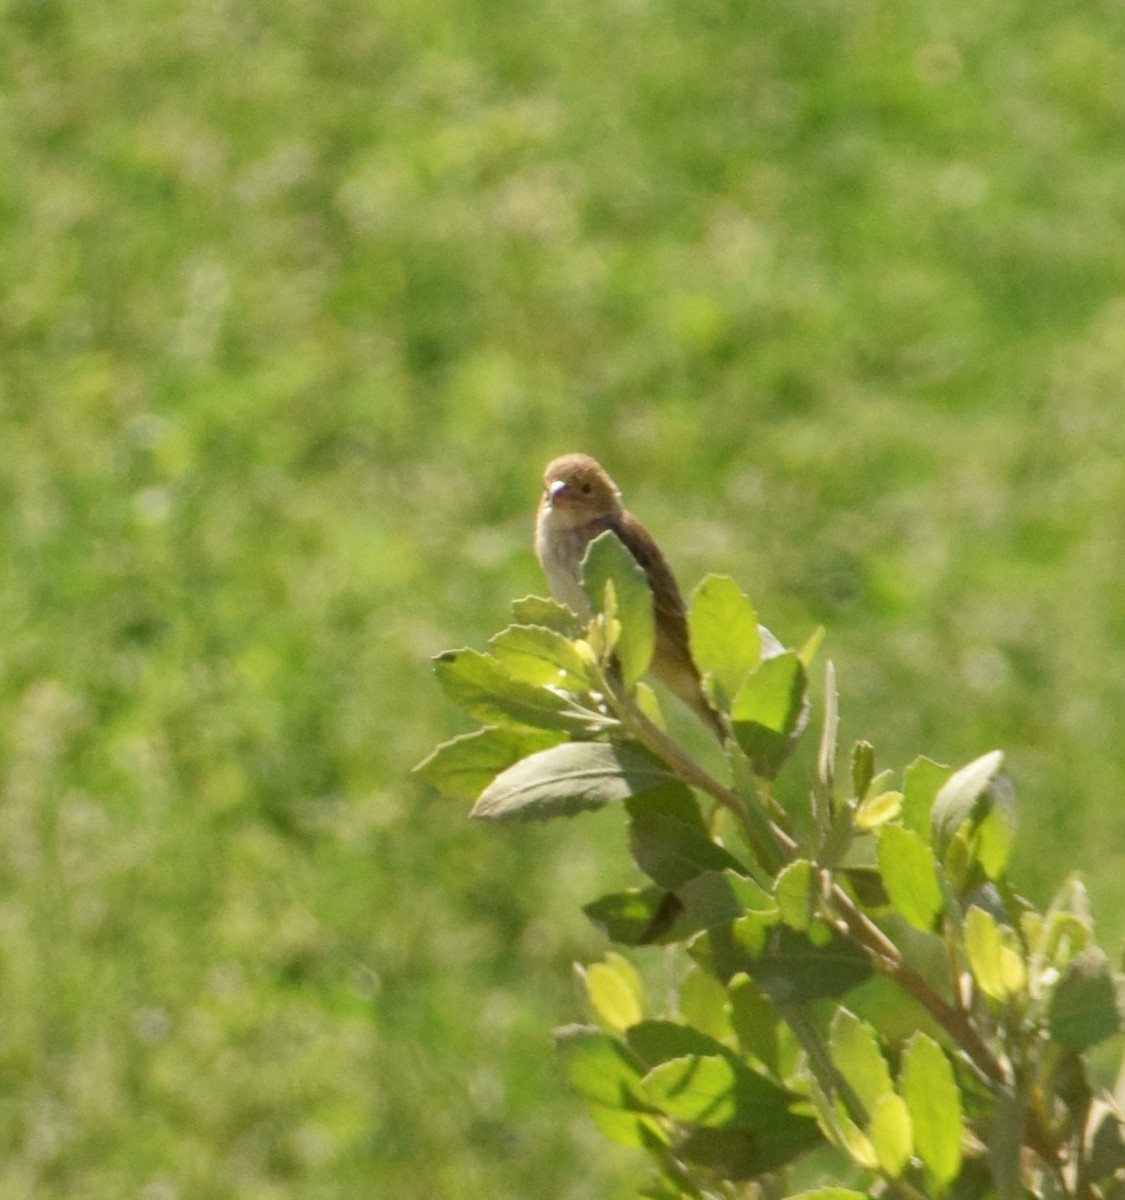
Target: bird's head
578,489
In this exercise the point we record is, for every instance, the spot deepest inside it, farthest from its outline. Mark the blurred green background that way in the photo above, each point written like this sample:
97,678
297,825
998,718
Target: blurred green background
297,301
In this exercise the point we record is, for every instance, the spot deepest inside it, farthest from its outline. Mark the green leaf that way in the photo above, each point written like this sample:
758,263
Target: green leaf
703,1003
878,810
829,1193
744,1154
856,1054
485,690
785,964
892,1134
538,610
921,783
983,947
623,1128
910,876
716,1091
716,898
607,560
600,1068
615,991
725,643
927,1085
671,852
567,779
754,1020
540,656
463,767
795,892
998,830
1085,1006
958,796
863,768
770,710
637,917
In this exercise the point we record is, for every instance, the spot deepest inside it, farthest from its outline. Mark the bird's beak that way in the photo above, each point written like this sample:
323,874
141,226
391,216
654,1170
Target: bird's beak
556,491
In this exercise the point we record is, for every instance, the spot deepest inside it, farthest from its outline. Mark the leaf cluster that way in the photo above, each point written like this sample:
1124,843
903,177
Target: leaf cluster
864,983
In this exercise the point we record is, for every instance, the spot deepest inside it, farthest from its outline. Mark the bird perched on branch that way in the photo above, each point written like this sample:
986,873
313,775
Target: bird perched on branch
579,502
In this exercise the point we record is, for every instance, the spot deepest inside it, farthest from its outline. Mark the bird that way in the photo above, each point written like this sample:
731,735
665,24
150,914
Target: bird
580,501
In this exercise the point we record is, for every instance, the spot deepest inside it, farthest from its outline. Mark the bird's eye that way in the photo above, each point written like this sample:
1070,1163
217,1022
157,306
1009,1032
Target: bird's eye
586,489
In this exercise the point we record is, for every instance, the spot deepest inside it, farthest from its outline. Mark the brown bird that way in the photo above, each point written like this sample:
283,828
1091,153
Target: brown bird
579,502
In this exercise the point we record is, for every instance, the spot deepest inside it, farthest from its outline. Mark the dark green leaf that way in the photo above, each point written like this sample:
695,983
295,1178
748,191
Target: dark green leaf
566,779
743,1154
716,898
770,710
608,560
754,1019
657,1041
485,690
464,767
671,852
785,964
725,642
1085,1005
637,917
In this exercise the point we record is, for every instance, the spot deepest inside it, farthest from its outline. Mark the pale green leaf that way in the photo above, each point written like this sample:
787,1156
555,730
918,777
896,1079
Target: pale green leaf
540,656
878,810
615,991
910,877
856,1054
795,891
725,642
892,1134
983,946
927,1085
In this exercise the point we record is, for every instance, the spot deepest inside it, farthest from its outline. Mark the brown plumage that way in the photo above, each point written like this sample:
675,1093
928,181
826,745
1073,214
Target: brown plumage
579,502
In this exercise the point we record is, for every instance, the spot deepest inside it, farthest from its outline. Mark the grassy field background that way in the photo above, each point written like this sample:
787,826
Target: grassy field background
298,299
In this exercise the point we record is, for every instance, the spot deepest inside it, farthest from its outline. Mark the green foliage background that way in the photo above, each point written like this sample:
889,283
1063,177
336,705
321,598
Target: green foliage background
298,299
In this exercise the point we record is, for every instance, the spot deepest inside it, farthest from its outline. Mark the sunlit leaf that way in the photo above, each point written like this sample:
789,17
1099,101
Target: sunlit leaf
878,810
615,991
857,1056
770,710
538,610
892,1134
725,642
983,946
795,892
485,690
540,656
921,783
927,1085
910,876
600,1067
607,560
